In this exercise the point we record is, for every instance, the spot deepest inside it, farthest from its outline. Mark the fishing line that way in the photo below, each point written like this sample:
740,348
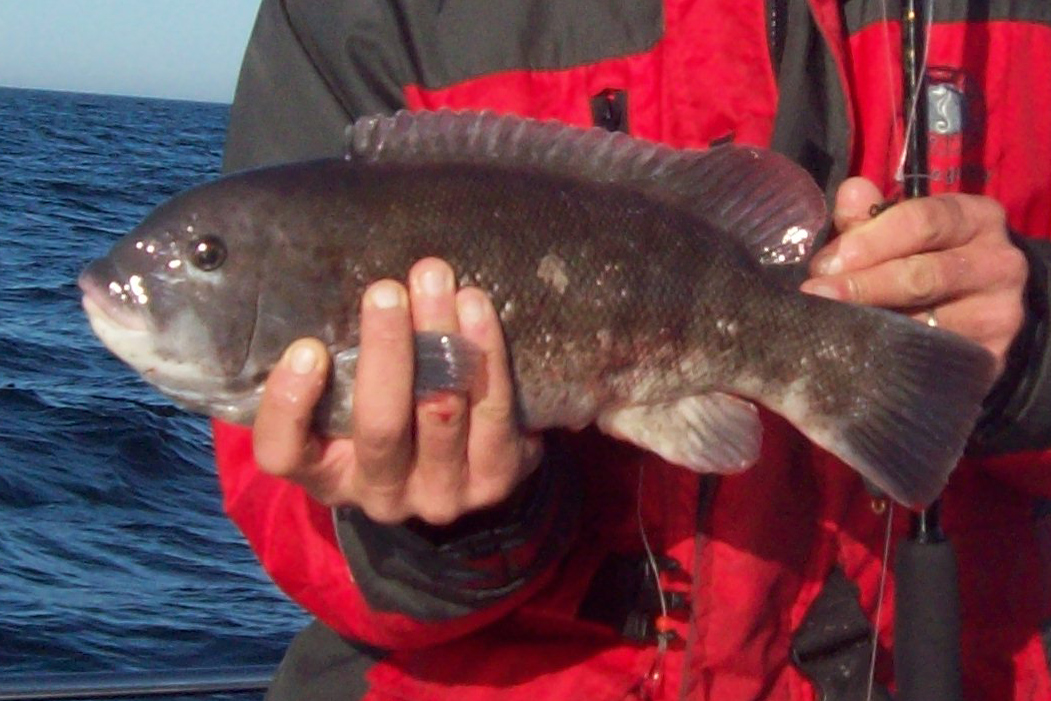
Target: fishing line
879,600
662,640
651,558
910,123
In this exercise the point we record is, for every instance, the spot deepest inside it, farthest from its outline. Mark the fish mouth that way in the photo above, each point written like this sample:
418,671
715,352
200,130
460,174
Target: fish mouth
120,320
103,298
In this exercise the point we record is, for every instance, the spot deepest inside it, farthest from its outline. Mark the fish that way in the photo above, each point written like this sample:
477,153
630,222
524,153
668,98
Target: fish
647,290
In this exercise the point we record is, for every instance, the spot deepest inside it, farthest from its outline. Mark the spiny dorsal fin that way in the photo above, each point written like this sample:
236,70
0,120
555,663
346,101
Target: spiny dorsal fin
768,202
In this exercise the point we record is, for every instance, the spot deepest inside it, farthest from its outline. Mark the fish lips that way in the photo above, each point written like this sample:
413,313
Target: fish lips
110,294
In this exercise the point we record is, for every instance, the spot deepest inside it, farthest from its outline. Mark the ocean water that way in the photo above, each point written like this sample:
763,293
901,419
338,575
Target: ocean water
114,552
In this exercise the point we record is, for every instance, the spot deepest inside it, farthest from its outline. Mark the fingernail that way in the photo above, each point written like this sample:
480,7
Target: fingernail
830,265
436,282
471,309
826,291
386,295
302,359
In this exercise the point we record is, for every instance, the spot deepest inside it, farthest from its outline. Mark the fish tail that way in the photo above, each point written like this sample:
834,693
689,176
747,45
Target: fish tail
910,408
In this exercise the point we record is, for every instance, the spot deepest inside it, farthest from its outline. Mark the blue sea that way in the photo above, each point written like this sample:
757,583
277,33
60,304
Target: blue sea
114,551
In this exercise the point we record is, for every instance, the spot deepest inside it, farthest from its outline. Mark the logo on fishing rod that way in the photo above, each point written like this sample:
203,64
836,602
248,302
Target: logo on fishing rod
955,131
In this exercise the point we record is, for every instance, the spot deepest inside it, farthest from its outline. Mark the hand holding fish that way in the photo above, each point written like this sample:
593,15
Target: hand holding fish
436,458
947,255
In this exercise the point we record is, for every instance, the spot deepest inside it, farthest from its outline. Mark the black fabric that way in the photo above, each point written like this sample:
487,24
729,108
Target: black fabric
609,110
320,665
623,595
833,644
858,14
456,40
435,574
285,107
311,68
811,126
1017,413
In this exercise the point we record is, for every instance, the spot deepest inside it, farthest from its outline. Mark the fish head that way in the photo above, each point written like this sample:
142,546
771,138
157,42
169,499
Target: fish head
177,297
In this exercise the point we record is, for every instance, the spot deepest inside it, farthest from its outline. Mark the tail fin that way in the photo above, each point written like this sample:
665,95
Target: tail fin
910,412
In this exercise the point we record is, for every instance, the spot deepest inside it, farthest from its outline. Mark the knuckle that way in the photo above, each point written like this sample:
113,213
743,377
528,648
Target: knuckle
383,511
1012,318
995,214
1014,265
445,412
491,493
379,434
272,460
996,324
439,512
497,413
922,219
920,277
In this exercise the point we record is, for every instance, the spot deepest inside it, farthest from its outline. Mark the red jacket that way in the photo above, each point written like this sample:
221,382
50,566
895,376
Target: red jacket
755,549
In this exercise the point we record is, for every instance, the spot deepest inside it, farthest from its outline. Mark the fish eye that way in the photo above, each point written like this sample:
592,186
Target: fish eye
207,252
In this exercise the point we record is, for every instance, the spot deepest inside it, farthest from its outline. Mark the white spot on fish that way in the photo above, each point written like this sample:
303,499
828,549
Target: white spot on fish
727,327
136,288
552,270
175,264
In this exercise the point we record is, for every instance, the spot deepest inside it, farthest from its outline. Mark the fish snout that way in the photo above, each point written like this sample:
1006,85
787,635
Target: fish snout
107,294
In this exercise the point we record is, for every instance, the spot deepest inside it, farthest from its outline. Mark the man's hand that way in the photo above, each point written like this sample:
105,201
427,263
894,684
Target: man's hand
435,459
948,256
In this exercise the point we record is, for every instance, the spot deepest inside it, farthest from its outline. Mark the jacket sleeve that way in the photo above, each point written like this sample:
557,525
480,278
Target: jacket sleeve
388,586
1013,437
1018,411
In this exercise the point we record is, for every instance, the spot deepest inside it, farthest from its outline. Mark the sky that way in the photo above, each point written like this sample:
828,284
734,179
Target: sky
182,49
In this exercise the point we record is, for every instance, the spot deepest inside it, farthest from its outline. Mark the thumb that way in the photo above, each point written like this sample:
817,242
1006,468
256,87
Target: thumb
854,200
282,436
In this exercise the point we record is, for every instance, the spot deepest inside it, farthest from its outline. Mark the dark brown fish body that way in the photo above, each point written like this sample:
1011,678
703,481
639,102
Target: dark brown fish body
621,301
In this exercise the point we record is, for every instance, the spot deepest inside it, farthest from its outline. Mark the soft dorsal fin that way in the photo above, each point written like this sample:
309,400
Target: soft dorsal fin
768,202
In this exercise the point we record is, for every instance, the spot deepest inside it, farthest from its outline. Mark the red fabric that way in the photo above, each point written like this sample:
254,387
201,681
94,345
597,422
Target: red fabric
295,539
771,534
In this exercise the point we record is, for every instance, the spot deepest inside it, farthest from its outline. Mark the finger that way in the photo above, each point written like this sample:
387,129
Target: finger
499,456
929,278
991,321
854,201
282,438
911,227
441,428
383,403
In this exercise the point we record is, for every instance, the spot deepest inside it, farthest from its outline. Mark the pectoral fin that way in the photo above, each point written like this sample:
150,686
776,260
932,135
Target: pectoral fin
706,433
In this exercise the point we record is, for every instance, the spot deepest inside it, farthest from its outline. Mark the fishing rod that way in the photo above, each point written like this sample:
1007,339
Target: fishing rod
927,601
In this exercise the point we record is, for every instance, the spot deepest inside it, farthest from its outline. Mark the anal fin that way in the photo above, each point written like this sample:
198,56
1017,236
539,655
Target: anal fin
705,433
